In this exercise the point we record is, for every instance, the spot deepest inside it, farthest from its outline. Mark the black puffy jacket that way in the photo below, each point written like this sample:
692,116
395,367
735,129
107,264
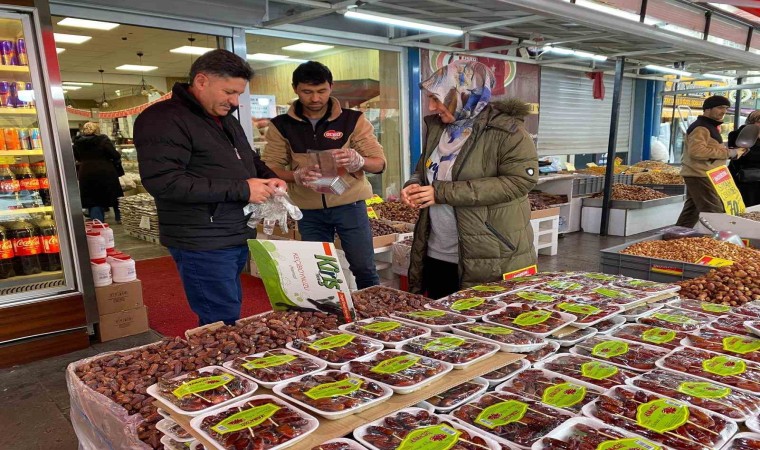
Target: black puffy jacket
197,173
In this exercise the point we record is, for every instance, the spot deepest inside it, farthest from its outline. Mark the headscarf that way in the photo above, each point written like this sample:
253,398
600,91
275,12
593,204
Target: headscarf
90,129
464,87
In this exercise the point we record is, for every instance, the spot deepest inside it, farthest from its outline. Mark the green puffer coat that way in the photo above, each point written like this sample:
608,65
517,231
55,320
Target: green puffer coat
491,178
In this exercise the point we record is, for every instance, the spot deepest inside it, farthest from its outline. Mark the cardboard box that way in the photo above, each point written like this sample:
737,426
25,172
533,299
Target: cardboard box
540,214
119,297
122,323
377,241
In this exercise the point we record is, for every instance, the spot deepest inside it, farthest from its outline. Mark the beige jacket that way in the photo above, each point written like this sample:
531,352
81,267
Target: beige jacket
702,153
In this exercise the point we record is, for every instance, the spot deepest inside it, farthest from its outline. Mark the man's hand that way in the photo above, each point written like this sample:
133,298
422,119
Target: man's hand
276,183
260,190
349,158
418,196
306,175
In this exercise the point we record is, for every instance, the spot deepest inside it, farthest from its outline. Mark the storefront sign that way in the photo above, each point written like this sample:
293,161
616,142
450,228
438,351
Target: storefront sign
724,184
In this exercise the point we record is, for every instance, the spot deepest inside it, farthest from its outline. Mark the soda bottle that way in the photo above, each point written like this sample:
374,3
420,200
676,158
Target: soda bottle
40,171
36,139
6,255
12,139
25,138
9,188
26,247
30,186
50,258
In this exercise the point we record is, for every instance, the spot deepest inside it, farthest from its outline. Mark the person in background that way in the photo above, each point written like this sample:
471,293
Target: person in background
746,170
98,163
196,161
317,122
471,185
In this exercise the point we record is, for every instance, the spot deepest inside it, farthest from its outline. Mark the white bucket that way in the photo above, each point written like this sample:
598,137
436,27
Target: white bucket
96,245
105,231
123,267
101,272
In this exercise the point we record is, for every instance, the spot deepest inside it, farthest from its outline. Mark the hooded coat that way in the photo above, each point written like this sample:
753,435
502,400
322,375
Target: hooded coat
491,178
98,180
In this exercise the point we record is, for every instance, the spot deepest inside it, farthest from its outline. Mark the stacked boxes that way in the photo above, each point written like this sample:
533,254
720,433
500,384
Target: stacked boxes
121,310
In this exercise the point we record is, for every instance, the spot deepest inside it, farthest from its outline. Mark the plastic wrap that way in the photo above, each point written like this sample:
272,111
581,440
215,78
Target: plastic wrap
610,325
712,309
647,334
390,332
274,366
652,287
502,374
340,444
640,311
457,350
539,355
402,371
744,441
458,395
471,307
615,296
336,347
735,324
510,340
588,370
733,372
274,211
577,336
434,319
587,314
677,319
630,355
401,253
587,433
551,389
745,347
535,296
568,287
530,319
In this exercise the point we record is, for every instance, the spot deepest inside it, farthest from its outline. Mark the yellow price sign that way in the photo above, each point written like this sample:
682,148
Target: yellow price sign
371,213
714,262
724,185
374,200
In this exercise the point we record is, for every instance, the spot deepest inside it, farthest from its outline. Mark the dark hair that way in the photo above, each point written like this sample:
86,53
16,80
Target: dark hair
221,63
312,72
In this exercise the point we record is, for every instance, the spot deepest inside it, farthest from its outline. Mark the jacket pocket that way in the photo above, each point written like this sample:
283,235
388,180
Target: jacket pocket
500,236
212,207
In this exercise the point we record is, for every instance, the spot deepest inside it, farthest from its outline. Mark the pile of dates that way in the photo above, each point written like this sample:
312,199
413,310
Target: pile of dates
398,369
386,330
632,192
397,212
275,365
274,330
582,436
719,368
528,318
380,301
394,429
381,228
197,401
336,347
628,354
306,390
455,395
732,285
591,371
449,348
562,392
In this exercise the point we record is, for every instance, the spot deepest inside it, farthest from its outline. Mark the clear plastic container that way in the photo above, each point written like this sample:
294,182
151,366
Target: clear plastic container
530,319
340,444
568,287
536,297
488,291
629,355
731,323
595,277
651,287
508,339
502,374
610,325
616,296
712,309
434,319
173,444
577,336
588,370
275,366
677,319
553,389
588,314
743,441
539,355
335,347
640,311
585,432
391,333
457,396
401,371
753,326
751,309
174,430
460,351
647,334
475,307
744,347
723,369
753,423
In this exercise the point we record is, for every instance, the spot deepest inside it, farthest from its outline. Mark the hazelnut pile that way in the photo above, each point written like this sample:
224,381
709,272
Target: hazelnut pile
691,250
752,216
659,178
731,285
632,193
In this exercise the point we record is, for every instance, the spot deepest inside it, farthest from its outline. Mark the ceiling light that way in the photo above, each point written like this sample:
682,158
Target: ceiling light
714,76
190,50
576,53
136,68
267,57
59,50
403,23
306,47
70,38
91,24
76,83
664,69
71,88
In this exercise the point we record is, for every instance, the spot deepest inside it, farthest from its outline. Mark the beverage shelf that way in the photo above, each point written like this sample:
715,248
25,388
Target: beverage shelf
35,152
19,69
24,280
13,212
18,111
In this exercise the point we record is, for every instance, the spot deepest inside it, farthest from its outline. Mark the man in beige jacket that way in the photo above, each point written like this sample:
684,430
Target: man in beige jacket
703,151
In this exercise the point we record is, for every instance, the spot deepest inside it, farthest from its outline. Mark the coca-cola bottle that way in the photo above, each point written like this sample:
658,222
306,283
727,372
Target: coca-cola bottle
30,186
6,255
50,258
26,247
40,171
9,188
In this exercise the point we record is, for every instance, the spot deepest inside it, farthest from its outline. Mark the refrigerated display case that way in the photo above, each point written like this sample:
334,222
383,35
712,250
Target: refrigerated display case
46,294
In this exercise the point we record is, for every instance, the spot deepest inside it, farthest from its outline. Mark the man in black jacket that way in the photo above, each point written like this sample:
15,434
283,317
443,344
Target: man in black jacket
196,161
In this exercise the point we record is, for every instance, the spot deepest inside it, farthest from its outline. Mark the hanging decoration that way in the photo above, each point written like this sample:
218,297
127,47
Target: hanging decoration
78,112
132,111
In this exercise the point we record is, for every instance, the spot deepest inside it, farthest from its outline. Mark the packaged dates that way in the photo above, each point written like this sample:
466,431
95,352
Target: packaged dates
646,334
732,323
712,309
340,444
610,325
539,355
434,319
640,311
530,319
733,372
271,367
470,307
458,395
744,441
402,371
652,287
460,351
615,296
588,370
587,314
502,374
590,434
568,287
536,297
677,319
335,347
575,336
509,340
489,291
744,347
390,332
630,355
203,389
551,389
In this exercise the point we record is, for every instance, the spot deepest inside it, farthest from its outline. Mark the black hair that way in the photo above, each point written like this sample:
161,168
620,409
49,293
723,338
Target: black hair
312,72
221,63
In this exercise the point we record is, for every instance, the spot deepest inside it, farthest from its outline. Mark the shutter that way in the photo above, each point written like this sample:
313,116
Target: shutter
572,122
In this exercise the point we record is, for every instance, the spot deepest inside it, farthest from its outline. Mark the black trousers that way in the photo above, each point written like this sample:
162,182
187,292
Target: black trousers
439,278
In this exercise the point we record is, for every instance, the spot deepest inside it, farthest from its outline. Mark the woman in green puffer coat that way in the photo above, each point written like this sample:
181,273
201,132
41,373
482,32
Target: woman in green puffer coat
471,185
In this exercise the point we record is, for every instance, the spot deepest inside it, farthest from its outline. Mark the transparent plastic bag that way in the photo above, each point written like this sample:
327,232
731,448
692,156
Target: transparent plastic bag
275,210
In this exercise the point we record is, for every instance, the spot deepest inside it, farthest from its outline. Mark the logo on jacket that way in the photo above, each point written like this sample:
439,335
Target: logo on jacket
334,135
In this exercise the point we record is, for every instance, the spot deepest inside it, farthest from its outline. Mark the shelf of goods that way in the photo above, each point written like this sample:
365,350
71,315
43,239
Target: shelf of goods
140,217
744,226
632,217
570,213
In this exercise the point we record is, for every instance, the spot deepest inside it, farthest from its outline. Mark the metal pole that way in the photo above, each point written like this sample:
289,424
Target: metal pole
738,104
616,96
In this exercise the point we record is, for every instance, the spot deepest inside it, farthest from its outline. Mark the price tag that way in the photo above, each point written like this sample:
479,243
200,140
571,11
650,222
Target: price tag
724,185
714,262
525,272
374,200
371,213
145,223
570,167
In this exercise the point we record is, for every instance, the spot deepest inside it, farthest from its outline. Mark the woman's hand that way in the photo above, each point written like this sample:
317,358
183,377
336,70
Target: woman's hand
419,196
406,192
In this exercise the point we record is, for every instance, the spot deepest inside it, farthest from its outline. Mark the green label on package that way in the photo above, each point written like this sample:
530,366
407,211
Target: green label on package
436,437
658,335
491,329
335,389
202,385
489,289
712,307
467,303
741,345
532,318
433,313
610,349
674,318
612,293
628,444
703,389
600,276
339,340
564,395
502,414
598,370
381,327
246,419
269,361
644,284
565,285
395,365
579,308
662,415
724,366
536,297
444,344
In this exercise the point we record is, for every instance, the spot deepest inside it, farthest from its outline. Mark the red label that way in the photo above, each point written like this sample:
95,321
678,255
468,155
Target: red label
44,183
9,186
27,246
720,176
50,244
526,272
6,249
30,184
334,135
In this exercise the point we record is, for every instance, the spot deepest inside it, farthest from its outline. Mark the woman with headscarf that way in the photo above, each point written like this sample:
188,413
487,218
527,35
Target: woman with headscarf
99,185
471,185
746,170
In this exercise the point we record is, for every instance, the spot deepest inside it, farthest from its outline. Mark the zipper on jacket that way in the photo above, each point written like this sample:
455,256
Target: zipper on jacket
237,153
500,237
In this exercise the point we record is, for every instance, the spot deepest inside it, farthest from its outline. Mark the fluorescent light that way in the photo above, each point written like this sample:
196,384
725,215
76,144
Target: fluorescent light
59,50
76,83
190,50
576,53
70,38
72,88
306,47
136,68
414,25
267,57
91,24
668,70
714,76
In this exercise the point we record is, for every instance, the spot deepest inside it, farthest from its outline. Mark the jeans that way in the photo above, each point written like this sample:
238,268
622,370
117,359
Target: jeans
212,282
98,213
352,225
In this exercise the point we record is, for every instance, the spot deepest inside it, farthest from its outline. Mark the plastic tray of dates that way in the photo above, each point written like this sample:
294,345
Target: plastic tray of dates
510,340
274,366
502,374
734,404
575,336
732,323
490,291
551,348
261,422
568,287
416,426
333,394
751,309
646,309
753,423
475,307
630,355
615,296
201,390
335,347
594,277
434,319
647,334
535,297
459,351
390,333
651,287
588,370
458,395
552,389
340,444
751,325
744,347
401,371
173,444
661,419
588,314
530,319
744,441
712,309
584,433
733,372
511,418
174,430
610,325
677,319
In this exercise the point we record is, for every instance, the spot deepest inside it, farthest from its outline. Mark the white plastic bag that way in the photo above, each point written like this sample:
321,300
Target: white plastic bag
275,210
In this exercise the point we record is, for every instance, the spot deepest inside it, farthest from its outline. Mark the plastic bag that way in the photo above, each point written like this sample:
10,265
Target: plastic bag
392,193
275,210
331,181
